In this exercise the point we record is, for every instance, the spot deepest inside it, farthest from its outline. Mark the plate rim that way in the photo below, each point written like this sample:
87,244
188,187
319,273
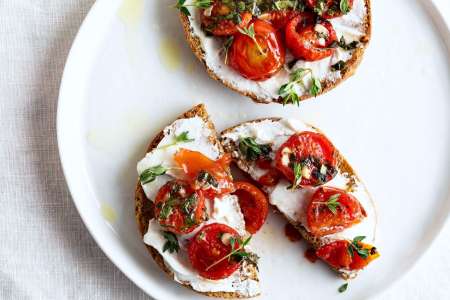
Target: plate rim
442,26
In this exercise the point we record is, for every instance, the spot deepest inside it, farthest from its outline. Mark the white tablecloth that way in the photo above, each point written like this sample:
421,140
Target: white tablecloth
45,250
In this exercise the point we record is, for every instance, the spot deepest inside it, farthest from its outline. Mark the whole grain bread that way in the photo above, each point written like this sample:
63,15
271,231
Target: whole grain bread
344,166
350,67
144,208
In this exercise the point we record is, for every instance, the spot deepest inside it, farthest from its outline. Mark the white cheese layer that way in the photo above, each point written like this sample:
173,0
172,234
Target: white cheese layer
226,211
350,26
293,203
197,130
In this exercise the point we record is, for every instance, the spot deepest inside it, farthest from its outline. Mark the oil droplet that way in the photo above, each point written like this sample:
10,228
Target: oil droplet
130,12
169,53
108,213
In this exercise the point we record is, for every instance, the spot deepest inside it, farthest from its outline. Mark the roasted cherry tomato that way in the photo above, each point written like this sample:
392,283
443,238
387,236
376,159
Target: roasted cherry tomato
178,208
329,9
312,154
213,177
279,18
261,59
220,19
331,210
343,254
254,205
271,178
209,247
310,39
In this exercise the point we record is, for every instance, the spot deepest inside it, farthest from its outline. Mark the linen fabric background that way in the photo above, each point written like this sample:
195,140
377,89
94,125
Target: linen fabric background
45,250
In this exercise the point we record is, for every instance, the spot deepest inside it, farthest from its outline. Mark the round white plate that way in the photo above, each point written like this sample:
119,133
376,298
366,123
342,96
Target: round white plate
130,73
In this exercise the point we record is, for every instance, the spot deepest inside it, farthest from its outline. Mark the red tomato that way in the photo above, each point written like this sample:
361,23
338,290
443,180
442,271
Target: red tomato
337,255
178,208
217,22
324,218
271,178
313,152
279,18
213,177
253,62
207,248
254,205
310,39
328,9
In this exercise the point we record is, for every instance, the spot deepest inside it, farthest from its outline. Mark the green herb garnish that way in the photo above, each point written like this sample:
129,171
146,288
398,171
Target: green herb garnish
344,6
297,168
226,47
333,203
350,46
167,208
287,91
237,252
183,7
356,246
150,174
285,4
252,150
339,66
171,243
181,138
316,87
250,32
343,287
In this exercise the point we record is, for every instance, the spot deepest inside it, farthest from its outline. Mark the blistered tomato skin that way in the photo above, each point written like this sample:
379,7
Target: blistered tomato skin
310,39
326,218
254,205
178,208
313,152
337,255
330,9
212,177
215,20
253,62
207,247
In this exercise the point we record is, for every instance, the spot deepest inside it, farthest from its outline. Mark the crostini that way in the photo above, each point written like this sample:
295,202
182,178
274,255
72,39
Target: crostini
195,220
308,181
278,51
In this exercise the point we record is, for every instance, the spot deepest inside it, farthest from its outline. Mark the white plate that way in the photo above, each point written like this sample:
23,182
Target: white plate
391,120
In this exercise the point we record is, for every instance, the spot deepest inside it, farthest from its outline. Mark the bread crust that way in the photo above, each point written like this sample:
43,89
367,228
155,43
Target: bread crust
327,85
307,236
144,208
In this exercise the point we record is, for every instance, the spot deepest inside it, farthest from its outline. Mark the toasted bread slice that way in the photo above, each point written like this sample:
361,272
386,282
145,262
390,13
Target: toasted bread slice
198,47
230,146
144,208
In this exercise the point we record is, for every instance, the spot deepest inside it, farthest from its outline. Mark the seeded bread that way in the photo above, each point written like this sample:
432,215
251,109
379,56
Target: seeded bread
144,208
315,242
350,68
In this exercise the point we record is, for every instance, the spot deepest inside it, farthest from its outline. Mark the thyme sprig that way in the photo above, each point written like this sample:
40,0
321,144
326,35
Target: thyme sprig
183,7
287,91
236,253
250,32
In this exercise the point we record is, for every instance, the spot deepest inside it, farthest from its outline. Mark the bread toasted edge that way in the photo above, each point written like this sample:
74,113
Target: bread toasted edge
327,85
144,207
308,237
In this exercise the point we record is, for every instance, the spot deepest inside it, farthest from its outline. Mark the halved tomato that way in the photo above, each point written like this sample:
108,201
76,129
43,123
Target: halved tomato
331,210
213,177
314,156
343,254
329,9
260,57
271,178
254,205
223,19
178,208
208,248
310,39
